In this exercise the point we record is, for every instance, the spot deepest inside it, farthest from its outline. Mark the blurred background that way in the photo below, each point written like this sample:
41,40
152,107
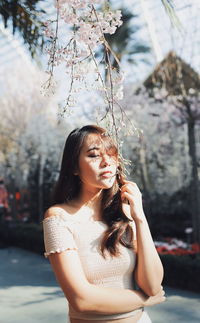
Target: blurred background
162,84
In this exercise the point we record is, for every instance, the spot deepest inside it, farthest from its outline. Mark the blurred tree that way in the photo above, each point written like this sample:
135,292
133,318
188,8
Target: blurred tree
160,162
175,81
29,137
24,17
154,153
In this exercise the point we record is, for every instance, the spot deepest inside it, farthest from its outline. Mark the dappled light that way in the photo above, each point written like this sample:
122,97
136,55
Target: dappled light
99,135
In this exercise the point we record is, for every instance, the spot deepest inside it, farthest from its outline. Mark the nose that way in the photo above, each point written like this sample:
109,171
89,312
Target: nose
105,160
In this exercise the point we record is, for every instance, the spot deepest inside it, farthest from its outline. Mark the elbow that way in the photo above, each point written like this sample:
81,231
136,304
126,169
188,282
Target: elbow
153,288
82,306
152,291
81,301
77,304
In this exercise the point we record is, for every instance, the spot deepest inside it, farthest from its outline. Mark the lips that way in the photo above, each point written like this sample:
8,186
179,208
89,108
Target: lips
106,174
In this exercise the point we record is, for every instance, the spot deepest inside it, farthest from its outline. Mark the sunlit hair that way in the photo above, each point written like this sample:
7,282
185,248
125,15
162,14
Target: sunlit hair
68,188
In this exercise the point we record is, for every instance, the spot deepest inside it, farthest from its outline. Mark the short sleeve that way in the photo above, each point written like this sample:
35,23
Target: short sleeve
58,236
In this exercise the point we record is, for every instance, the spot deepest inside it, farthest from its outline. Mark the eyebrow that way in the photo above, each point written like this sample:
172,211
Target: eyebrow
93,148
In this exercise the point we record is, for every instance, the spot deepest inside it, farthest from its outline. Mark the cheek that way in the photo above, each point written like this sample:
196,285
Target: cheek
88,168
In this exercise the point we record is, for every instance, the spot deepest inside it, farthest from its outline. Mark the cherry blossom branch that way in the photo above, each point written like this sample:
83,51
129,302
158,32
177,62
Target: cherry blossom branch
100,76
89,28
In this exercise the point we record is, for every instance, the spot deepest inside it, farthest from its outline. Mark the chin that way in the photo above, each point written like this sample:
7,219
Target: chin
108,185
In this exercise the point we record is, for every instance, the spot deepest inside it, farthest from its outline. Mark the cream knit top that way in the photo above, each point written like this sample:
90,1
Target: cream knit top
83,234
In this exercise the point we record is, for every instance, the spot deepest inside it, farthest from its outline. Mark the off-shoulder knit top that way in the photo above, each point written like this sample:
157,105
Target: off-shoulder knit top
83,234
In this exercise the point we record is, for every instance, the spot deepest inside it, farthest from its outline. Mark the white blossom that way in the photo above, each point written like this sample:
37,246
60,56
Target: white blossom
87,22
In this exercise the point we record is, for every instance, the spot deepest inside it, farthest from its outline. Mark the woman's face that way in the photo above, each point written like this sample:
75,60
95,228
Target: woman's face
97,163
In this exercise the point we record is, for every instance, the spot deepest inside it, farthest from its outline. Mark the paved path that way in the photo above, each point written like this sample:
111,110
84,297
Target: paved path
30,294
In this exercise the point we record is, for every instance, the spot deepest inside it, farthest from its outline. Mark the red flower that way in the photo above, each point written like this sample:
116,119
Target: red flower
196,247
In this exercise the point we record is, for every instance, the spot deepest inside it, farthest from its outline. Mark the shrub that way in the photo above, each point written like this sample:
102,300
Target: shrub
182,271
24,235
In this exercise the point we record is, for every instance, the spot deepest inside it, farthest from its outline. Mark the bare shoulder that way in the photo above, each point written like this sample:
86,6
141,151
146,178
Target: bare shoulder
55,210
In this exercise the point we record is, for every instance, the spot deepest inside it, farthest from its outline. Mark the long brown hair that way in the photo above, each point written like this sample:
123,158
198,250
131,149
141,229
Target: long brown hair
68,187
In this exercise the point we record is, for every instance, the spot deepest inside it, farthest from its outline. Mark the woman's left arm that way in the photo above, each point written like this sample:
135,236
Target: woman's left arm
149,269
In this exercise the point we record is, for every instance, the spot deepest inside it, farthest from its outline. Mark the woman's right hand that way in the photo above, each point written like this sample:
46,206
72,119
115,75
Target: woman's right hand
156,299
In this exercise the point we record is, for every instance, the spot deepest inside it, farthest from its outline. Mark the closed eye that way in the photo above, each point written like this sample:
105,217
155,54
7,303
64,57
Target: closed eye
93,156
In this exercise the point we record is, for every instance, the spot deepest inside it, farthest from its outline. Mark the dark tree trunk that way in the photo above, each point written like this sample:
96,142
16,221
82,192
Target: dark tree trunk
194,189
40,188
144,172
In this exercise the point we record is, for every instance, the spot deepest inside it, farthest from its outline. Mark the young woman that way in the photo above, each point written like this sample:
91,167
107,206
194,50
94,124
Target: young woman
98,245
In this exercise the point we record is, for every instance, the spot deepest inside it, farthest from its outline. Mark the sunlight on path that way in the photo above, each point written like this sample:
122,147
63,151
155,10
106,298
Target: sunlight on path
30,304
181,306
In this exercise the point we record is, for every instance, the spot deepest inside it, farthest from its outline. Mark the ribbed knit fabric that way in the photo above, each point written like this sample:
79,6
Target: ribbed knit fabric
65,232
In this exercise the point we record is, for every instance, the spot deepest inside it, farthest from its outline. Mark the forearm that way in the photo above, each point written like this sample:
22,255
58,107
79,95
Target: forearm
149,270
105,300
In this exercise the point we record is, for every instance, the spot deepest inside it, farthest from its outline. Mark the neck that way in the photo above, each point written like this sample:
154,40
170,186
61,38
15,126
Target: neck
90,197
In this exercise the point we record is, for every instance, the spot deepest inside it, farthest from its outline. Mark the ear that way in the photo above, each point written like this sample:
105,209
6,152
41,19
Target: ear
75,170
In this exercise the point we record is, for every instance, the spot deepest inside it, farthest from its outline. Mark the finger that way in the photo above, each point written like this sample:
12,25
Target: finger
126,185
130,182
129,189
123,188
125,181
128,196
